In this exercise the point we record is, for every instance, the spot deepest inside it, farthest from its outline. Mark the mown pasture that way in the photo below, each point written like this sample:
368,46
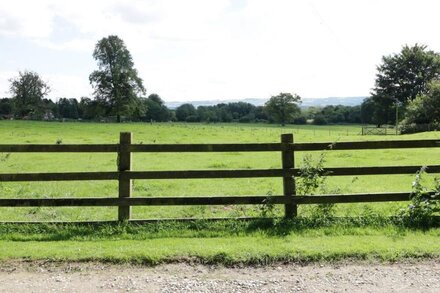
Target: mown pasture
23,132
371,236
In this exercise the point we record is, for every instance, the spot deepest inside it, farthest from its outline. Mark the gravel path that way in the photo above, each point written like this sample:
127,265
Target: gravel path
417,276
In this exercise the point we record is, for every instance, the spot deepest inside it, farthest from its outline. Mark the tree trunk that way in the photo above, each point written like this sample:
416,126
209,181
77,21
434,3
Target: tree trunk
118,118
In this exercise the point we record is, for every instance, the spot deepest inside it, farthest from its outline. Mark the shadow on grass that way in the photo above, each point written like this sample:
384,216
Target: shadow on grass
271,227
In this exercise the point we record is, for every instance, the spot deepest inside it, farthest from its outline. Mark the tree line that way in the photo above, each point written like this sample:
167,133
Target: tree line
406,91
153,108
84,109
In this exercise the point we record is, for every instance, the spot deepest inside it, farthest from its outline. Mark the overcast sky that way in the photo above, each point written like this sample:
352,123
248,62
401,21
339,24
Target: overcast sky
216,49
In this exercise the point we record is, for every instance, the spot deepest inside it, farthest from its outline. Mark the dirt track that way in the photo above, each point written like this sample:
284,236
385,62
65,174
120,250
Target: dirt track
417,276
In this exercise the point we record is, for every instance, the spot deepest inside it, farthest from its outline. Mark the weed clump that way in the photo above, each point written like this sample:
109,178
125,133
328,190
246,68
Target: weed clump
311,181
424,204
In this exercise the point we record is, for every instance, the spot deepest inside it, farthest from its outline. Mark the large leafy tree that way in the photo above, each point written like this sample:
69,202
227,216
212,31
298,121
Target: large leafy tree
90,109
425,108
184,111
68,108
116,82
28,91
156,109
283,107
401,77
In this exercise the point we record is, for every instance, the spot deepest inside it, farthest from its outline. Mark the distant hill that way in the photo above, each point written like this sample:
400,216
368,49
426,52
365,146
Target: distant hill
306,102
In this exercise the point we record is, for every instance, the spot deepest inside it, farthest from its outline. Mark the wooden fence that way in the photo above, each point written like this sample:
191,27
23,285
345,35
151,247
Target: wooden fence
286,147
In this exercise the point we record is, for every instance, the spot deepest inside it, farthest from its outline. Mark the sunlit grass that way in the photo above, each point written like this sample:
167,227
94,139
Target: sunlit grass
225,242
367,234
22,132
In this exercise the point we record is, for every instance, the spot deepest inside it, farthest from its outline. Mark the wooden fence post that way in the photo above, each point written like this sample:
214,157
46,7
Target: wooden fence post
288,162
124,164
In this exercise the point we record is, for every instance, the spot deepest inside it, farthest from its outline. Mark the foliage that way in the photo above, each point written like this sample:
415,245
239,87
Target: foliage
425,108
116,83
5,107
401,78
283,108
408,128
311,180
90,109
332,114
28,91
155,109
184,111
341,114
68,108
369,110
424,203
223,112
405,75
319,119
267,208
311,175
300,120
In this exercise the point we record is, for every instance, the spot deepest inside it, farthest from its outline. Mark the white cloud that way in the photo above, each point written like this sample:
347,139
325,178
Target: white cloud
70,45
69,86
30,19
224,49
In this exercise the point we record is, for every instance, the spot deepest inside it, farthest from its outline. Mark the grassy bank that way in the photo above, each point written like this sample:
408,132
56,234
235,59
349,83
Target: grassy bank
224,242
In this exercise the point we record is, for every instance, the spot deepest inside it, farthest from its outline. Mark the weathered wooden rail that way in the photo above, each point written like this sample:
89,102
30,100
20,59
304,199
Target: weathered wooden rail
124,175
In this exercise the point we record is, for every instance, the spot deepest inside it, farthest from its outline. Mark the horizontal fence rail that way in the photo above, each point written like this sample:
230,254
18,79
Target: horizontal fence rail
213,174
207,200
286,147
184,148
155,148
59,148
244,147
362,145
384,170
67,176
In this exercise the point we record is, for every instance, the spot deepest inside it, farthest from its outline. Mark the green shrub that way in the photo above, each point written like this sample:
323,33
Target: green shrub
424,203
320,120
300,120
312,180
408,128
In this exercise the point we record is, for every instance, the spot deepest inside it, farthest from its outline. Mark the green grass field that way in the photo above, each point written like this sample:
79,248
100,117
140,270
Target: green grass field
293,244
43,132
